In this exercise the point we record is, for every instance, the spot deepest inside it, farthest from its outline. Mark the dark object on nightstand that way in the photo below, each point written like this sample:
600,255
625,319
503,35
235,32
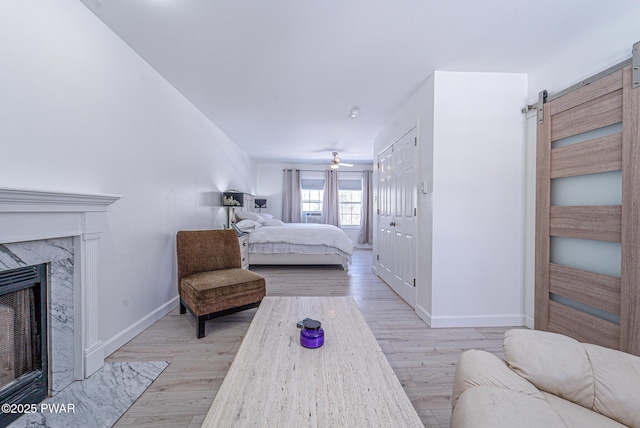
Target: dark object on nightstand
211,281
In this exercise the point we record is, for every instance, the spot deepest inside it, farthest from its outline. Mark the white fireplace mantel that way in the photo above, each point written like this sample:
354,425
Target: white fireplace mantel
32,215
35,200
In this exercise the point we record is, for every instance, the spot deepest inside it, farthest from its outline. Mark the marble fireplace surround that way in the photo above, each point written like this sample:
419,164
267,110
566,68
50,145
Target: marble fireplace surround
62,229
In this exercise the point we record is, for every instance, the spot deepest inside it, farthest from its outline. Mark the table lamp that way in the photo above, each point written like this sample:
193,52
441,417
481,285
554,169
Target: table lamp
232,199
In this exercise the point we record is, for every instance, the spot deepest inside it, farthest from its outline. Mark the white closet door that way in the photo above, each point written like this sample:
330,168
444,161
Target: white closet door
397,216
386,192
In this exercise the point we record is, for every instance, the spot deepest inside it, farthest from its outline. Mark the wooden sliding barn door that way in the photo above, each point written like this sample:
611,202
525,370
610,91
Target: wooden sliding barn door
590,134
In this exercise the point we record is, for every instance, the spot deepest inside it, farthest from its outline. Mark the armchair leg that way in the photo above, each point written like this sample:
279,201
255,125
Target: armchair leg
200,326
183,308
201,319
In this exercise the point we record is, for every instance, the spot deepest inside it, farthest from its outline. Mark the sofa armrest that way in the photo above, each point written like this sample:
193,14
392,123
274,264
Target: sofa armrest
481,368
601,379
492,407
552,362
617,384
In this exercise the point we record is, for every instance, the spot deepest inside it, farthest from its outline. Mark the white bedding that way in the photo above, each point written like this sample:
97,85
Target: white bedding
300,238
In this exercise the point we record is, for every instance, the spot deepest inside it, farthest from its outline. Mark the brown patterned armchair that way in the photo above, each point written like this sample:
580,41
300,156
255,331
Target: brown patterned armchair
211,282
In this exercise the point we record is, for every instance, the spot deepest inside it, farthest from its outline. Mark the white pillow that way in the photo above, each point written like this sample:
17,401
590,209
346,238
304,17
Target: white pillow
273,222
248,215
265,215
246,225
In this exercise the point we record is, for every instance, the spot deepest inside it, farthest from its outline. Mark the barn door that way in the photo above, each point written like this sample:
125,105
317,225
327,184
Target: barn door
588,214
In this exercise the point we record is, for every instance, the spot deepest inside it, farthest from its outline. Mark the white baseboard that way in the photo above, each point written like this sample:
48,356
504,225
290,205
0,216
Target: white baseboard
508,320
119,340
93,359
497,320
529,322
424,314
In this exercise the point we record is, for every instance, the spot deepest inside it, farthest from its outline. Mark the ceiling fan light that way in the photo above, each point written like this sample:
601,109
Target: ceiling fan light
335,166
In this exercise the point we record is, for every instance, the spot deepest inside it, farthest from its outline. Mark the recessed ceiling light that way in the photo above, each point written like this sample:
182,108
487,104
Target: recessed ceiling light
354,112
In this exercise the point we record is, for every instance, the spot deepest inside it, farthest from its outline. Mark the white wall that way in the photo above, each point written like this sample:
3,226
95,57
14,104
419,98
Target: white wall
478,199
471,223
416,111
81,111
602,48
270,183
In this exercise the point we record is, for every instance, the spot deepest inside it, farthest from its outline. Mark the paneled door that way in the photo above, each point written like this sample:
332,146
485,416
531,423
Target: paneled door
397,205
588,214
386,203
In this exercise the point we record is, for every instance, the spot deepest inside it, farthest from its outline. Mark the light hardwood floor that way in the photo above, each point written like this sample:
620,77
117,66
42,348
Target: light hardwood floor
423,358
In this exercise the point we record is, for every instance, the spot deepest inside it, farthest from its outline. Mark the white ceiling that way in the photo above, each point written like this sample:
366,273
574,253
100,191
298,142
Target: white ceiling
279,77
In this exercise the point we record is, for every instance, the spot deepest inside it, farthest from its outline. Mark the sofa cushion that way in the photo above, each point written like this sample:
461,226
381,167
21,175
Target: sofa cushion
577,416
208,292
481,368
617,384
552,362
494,407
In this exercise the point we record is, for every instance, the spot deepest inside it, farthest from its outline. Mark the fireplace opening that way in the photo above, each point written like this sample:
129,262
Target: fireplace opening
23,338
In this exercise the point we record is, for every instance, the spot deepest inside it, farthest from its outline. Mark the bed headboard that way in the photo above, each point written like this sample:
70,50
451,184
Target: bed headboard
248,204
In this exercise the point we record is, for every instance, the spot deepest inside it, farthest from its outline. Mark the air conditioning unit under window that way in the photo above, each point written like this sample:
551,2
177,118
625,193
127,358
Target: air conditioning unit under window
313,217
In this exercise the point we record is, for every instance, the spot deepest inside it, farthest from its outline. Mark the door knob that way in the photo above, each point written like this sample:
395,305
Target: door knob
393,223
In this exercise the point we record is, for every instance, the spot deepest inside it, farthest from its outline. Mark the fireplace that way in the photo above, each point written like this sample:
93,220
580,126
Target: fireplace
23,337
61,231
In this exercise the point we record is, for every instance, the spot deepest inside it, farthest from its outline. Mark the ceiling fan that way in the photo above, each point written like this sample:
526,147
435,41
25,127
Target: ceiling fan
336,163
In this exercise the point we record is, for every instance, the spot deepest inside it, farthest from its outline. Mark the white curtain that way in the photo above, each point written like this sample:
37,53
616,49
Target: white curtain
292,197
365,234
331,199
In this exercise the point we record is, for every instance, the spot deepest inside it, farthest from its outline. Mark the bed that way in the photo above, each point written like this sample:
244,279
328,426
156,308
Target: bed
272,242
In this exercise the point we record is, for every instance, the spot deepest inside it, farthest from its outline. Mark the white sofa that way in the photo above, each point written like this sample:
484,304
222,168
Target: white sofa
548,380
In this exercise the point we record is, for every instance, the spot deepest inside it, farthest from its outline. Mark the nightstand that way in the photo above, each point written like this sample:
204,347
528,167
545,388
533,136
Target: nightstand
244,250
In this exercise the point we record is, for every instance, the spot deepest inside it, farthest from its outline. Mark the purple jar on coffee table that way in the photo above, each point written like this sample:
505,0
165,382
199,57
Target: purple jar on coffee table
311,335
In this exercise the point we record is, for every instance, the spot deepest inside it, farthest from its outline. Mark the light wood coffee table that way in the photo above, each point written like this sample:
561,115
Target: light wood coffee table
275,382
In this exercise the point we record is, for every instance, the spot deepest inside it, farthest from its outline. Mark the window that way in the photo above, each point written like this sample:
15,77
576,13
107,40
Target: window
350,194
312,192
